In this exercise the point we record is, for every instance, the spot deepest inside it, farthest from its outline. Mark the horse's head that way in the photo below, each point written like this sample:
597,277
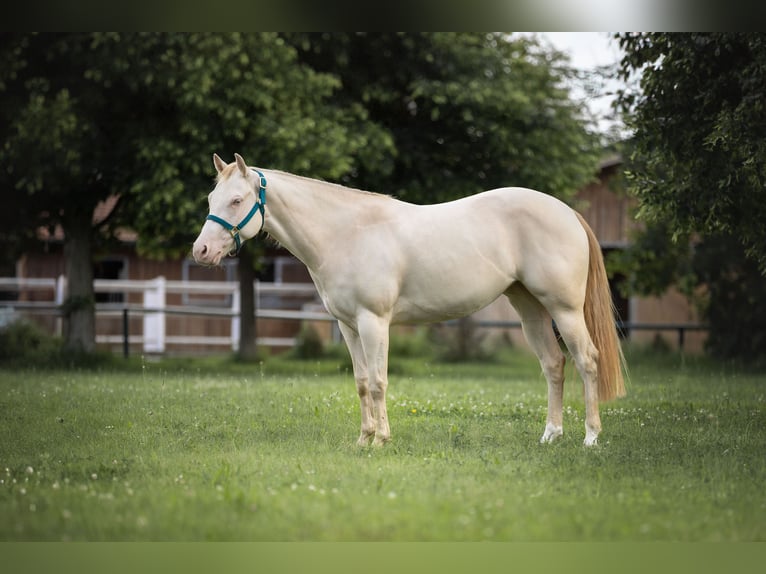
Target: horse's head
236,211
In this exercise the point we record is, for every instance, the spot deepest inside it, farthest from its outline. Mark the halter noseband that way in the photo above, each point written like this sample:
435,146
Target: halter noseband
259,205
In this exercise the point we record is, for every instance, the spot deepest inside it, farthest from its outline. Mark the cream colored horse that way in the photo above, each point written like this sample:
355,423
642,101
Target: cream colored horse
377,261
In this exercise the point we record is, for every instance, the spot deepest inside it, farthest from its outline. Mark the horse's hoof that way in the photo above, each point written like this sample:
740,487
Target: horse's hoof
552,432
591,437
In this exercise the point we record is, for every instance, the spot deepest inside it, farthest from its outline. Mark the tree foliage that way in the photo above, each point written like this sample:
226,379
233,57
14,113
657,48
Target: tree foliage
88,116
63,147
698,169
733,304
245,93
699,117
241,93
467,111
139,115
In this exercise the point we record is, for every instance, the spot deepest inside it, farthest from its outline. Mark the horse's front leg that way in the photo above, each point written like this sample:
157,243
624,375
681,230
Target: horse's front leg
373,334
361,376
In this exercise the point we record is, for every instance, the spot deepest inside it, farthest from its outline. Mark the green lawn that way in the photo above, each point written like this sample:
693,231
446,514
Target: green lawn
211,450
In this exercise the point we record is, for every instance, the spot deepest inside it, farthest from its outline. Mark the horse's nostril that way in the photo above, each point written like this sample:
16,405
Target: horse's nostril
199,250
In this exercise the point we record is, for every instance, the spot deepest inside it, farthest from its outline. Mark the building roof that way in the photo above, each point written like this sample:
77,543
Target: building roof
101,212
610,161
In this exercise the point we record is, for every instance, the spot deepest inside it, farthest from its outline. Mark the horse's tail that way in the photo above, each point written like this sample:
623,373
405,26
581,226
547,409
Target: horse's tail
599,318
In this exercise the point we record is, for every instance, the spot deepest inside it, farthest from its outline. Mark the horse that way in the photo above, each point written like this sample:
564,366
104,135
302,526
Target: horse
377,261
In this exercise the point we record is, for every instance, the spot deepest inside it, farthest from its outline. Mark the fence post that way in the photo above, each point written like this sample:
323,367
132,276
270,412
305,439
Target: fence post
235,308
125,334
681,333
154,322
60,296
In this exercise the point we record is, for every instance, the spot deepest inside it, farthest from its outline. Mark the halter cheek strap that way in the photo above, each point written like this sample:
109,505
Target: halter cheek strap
260,205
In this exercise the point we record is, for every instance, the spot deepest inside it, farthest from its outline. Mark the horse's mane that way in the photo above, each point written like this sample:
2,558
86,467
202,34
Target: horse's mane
230,169
333,187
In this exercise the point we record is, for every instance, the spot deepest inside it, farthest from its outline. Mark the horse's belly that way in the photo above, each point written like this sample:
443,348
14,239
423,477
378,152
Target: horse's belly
447,297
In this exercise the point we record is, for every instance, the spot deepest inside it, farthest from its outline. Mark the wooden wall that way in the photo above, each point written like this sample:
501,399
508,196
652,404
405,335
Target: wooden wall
607,209
50,264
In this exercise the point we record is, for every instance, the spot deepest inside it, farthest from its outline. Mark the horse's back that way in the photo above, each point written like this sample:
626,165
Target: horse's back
503,206
513,221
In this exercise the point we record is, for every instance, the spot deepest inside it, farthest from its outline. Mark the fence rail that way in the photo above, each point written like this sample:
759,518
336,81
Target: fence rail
624,327
154,310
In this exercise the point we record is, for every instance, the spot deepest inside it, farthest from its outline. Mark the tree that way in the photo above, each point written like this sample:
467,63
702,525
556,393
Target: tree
61,154
237,92
699,120
698,169
87,116
466,111
245,93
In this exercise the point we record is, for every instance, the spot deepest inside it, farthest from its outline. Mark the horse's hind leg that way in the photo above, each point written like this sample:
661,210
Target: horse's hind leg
361,376
571,325
536,324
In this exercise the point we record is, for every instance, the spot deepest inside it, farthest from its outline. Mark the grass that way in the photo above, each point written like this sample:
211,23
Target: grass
215,450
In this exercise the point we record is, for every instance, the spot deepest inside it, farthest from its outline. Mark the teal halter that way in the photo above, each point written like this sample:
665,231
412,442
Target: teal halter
259,205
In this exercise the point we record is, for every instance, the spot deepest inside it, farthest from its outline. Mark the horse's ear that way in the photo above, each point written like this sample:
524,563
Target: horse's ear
241,165
218,163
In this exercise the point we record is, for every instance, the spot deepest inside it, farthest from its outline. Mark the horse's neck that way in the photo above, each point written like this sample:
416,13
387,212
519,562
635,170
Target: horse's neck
307,216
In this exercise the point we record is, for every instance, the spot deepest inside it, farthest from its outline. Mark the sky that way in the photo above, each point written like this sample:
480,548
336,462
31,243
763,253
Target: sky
588,50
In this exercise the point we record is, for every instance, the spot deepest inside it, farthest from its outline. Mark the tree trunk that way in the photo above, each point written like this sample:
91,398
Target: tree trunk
248,349
79,306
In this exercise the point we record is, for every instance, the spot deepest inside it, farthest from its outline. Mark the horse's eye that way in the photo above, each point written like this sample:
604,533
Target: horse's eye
236,201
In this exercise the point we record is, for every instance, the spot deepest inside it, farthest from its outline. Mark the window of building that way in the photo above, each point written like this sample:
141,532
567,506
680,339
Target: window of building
110,268
8,269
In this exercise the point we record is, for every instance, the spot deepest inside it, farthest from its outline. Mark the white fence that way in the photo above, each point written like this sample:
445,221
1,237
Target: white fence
154,311
154,308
